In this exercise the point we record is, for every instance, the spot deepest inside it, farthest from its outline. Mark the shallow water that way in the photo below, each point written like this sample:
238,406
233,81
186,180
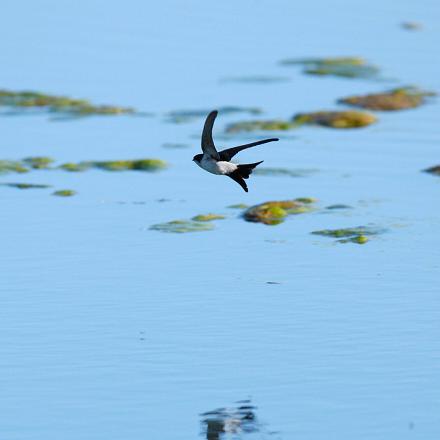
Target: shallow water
110,330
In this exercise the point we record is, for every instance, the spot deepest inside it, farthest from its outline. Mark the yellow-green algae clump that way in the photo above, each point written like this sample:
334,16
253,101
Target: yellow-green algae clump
358,234
208,217
396,99
274,213
57,104
12,166
64,193
117,165
346,67
336,119
26,185
38,162
182,226
263,125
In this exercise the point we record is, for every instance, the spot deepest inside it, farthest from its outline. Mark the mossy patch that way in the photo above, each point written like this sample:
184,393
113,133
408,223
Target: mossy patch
263,125
336,119
12,166
238,206
38,162
358,234
346,67
396,99
25,185
117,165
182,226
207,217
64,193
274,213
433,170
26,100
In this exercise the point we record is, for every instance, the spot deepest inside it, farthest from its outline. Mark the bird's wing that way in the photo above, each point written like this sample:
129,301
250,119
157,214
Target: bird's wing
229,153
208,146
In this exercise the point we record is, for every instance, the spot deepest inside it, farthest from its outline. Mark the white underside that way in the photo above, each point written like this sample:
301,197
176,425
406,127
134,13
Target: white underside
214,167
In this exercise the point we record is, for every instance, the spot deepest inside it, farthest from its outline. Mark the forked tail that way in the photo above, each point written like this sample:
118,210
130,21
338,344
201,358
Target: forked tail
245,170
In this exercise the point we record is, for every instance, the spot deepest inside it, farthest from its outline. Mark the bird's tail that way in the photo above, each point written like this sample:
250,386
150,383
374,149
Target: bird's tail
245,170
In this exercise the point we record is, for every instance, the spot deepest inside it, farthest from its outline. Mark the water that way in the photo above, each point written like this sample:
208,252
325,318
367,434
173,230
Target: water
112,331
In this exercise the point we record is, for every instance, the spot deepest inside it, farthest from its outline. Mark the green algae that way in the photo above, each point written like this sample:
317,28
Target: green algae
25,185
346,67
25,100
275,212
396,99
358,234
255,79
266,171
433,170
124,165
75,167
182,226
207,217
262,125
338,206
336,119
238,206
12,166
117,165
38,162
64,193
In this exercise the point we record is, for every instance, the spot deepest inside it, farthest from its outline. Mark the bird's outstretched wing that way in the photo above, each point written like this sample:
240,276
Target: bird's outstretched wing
208,146
229,153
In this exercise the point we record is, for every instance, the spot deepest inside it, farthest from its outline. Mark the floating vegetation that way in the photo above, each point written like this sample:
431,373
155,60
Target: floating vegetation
411,25
38,162
25,185
30,100
396,99
11,166
358,234
266,171
265,125
181,116
124,165
256,79
336,119
75,167
274,213
182,226
347,67
64,193
238,205
208,217
338,207
433,170
230,421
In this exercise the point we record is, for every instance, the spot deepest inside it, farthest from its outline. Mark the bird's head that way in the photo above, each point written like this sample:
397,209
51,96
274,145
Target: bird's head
197,158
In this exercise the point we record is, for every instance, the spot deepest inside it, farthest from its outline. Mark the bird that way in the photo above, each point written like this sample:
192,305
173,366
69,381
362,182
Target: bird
219,162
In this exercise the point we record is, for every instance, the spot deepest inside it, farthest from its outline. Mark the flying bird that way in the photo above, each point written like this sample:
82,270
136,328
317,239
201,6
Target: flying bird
218,162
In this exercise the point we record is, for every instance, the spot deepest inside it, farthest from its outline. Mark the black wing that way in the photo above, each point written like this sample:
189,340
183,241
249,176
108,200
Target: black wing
208,146
229,153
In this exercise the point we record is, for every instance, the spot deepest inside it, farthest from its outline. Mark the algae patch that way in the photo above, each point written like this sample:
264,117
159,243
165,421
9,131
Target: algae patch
64,193
396,99
25,185
336,119
346,67
182,226
11,166
262,125
182,116
238,206
282,172
31,100
207,217
358,234
275,212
